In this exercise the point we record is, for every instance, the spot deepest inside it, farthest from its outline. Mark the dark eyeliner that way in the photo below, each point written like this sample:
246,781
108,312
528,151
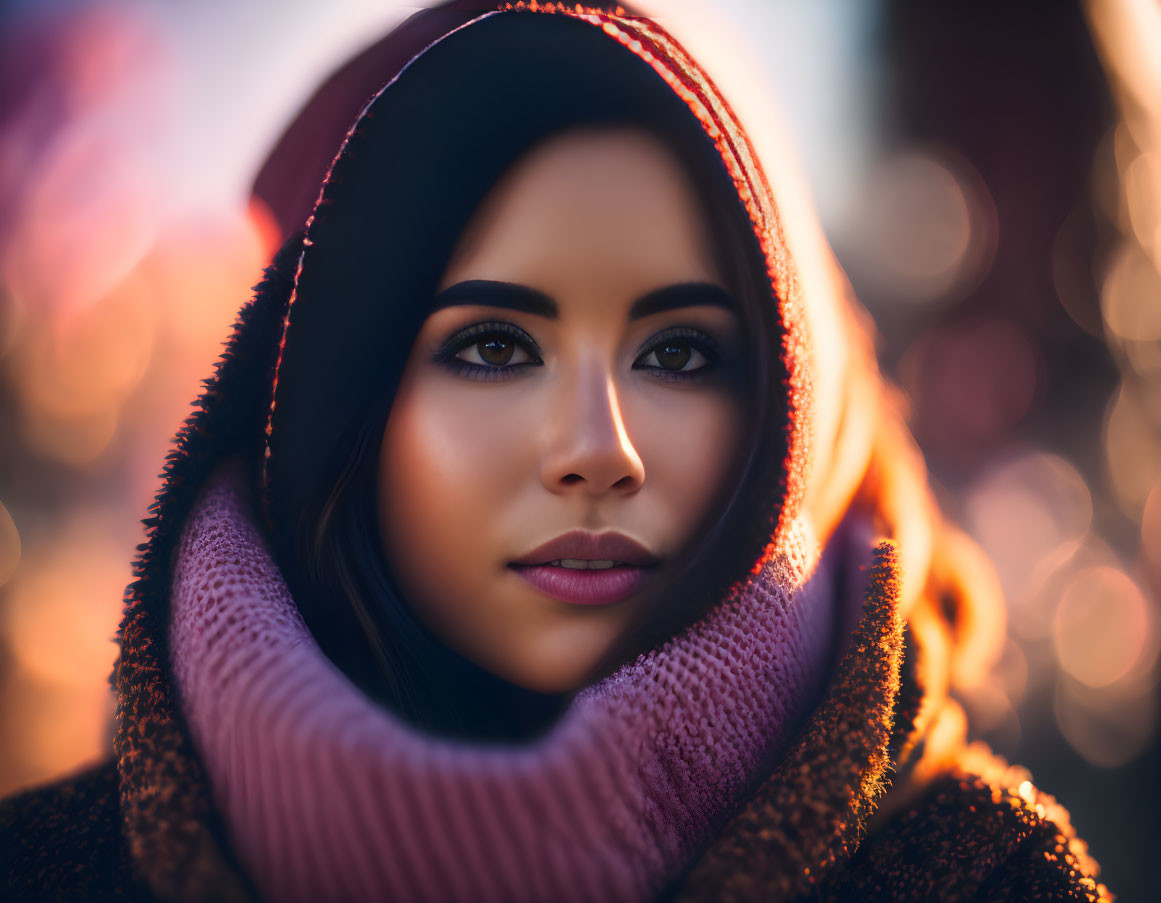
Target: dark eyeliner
695,339
446,357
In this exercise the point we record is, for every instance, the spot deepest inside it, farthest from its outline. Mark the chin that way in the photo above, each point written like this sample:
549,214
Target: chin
538,677
548,669
553,655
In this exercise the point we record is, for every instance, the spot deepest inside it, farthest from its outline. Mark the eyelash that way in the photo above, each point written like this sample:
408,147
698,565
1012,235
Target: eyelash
698,341
466,338
447,353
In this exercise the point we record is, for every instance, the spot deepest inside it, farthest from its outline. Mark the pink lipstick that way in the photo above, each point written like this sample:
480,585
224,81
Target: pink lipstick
586,568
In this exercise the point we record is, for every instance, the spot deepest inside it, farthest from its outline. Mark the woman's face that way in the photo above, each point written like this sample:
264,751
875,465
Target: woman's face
579,377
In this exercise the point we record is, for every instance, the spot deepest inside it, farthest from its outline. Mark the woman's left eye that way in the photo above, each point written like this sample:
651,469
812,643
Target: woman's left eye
676,356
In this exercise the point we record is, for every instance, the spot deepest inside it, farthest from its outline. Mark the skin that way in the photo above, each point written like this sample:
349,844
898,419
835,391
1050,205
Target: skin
476,472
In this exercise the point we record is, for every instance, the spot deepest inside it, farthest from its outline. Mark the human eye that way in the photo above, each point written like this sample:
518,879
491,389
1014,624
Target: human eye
679,354
493,350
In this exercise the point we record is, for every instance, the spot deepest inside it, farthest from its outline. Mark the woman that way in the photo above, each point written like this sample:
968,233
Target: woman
521,546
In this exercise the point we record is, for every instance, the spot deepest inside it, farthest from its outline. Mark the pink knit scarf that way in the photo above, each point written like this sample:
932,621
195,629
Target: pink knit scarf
327,796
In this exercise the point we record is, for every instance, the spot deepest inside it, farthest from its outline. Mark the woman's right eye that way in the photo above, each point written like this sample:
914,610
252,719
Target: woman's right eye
489,351
494,350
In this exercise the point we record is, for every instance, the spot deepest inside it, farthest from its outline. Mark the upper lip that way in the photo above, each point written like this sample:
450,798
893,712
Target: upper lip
578,544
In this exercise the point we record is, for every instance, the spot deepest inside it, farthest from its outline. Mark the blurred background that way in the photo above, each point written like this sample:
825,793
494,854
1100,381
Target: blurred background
990,177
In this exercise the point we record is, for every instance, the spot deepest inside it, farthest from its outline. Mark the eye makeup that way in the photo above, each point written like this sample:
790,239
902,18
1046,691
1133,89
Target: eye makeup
447,355
698,342
679,336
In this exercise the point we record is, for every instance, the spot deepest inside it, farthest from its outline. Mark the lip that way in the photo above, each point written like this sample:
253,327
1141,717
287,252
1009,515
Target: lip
611,546
597,587
587,587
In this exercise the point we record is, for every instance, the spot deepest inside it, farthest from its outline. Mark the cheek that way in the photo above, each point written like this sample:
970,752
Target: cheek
689,442
449,465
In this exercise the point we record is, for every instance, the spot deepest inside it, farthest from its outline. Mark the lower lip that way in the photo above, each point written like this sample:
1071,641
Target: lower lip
584,587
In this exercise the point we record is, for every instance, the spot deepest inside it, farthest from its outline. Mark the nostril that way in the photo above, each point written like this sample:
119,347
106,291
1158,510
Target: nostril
624,483
571,478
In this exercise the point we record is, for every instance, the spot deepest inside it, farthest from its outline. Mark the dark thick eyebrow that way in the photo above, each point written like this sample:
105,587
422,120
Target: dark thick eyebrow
683,294
489,293
513,296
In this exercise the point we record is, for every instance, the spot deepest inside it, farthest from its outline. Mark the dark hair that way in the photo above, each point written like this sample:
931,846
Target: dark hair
419,160
372,633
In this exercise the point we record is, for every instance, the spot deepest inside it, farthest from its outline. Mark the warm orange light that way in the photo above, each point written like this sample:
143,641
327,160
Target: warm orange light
9,545
1022,512
86,362
73,439
1102,626
1151,535
1131,296
1142,182
926,228
1132,441
64,604
48,729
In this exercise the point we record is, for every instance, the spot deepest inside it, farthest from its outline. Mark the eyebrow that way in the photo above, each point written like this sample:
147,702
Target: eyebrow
513,296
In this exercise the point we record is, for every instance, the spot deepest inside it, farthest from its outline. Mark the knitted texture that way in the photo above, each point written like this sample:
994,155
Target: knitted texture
809,815
327,796
981,832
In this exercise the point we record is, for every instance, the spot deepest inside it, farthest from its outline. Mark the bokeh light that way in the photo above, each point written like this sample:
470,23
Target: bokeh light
1131,296
971,381
1144,358
1108,729
9,545
57,625
114,303
1151,535
63,607
1132,443
1142,180
72,439
49,728
1102,627
1030,514
924,228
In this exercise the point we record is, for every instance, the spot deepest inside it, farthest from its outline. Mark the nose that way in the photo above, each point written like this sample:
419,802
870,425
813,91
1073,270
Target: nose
590,450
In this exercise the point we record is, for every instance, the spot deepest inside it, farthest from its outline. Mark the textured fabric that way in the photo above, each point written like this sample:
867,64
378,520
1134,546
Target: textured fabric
328,797
823,826
980,833
65,843
807,818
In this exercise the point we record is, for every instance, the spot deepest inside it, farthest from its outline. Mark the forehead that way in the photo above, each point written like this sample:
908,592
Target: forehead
607,210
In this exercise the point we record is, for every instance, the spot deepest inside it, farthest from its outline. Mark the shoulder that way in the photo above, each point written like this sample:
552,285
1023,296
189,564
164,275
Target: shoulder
63,841
981,831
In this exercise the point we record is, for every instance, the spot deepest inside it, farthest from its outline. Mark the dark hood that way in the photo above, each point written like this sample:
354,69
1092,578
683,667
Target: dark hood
413,168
